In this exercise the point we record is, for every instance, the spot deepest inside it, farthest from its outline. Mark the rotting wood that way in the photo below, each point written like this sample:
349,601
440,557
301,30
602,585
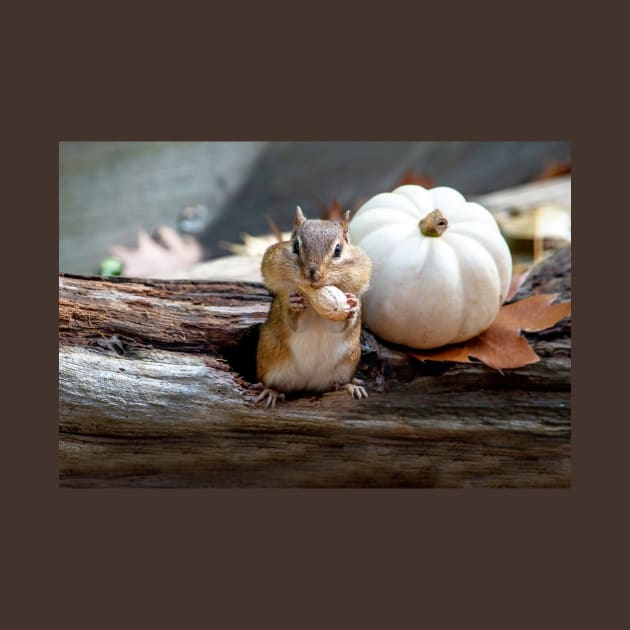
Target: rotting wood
153,392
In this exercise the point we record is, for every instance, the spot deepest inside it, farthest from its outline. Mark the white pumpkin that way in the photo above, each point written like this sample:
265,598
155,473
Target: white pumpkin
440,267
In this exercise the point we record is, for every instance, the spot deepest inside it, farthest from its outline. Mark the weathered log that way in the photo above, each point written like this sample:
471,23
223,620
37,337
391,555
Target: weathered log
154,383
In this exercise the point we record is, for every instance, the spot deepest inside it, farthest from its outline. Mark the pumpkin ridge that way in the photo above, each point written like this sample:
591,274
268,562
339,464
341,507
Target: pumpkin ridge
480,251
490,246
459,290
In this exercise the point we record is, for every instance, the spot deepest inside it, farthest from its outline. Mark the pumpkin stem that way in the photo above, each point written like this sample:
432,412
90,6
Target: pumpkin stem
434,224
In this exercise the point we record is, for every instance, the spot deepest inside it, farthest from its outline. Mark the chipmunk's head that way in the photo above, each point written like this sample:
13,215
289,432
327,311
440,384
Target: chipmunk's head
319,247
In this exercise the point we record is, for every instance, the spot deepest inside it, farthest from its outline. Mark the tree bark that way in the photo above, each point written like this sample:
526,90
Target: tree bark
154,381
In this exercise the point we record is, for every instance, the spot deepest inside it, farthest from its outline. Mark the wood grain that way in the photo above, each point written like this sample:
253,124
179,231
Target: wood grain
154,391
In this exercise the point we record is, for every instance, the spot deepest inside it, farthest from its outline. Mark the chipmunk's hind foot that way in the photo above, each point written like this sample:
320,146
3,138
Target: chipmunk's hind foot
355,389
269,397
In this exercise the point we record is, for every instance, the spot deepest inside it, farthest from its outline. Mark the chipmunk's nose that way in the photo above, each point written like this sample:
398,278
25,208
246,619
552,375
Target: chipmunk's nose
313,274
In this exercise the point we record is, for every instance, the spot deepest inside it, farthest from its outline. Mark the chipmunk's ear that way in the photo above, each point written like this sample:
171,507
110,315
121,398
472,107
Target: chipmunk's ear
344,225
299,219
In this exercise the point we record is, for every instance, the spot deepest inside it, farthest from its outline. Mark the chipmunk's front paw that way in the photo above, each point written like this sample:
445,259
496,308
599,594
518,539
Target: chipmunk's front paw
297,302
269,397
353,304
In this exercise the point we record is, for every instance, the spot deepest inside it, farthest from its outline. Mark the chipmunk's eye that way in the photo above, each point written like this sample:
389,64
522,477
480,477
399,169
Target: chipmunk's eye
296,247
337,251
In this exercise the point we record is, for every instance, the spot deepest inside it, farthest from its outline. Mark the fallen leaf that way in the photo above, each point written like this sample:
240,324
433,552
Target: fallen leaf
333,212
502,346
167,251
534,313
515,284
275,229
554,169
419,179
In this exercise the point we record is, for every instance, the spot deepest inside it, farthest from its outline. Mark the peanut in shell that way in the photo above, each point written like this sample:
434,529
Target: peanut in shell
328,301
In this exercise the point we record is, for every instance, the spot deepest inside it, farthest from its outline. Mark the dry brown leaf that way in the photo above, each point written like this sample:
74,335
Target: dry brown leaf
333,212
502,346
275,229
554,169
515,283
419,179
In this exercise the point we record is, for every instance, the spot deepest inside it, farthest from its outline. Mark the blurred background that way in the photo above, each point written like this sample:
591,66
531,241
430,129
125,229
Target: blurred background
154,208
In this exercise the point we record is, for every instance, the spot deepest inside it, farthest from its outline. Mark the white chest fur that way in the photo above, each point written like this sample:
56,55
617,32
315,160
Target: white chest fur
317,347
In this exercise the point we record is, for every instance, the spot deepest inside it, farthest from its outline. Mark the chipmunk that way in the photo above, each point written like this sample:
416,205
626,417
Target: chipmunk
298,349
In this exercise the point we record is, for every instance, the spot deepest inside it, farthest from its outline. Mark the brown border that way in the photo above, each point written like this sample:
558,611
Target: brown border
317,558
